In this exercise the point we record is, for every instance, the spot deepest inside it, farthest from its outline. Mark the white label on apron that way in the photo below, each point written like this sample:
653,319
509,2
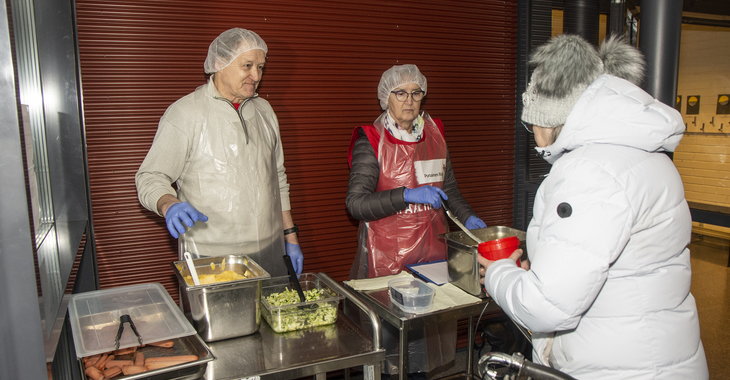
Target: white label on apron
430,171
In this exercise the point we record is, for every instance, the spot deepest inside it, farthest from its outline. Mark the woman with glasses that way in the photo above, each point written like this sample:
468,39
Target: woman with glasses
400,173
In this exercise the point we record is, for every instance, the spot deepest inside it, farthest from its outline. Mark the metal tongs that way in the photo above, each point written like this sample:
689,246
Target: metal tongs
122,320
458,223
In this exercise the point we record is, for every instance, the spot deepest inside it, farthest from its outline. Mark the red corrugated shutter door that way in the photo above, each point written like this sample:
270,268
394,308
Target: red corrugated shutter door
324,63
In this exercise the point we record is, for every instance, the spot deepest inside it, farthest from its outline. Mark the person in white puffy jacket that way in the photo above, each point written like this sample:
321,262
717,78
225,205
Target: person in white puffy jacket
607,295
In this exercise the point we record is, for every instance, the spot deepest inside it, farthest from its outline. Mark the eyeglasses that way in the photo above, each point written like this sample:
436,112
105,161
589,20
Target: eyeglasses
527,126
402,96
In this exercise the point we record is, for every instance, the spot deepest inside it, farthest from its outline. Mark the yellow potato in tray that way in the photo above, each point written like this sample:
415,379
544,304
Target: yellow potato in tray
224,276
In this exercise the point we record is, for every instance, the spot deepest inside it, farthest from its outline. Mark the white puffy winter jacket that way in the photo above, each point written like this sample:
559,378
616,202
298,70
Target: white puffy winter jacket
607,296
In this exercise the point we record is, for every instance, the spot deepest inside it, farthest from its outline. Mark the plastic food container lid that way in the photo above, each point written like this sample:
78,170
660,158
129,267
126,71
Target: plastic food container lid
95,318
498,244
411,294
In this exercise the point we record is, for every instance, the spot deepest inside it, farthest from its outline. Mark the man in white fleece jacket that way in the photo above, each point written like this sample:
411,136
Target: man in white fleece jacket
221,146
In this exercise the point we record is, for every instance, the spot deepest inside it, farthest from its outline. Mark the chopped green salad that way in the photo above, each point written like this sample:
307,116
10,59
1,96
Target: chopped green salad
290,297
284,319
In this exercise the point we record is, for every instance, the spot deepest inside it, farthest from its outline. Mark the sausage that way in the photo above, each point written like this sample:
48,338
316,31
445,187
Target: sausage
112,371
124,351
118,363
92,357
139,359
163,343
94,373
183,358
167,361
91,360
133,369
104,358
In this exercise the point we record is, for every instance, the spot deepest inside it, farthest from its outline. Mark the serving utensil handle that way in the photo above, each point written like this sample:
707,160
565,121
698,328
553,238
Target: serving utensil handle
293,277
191,268
458,223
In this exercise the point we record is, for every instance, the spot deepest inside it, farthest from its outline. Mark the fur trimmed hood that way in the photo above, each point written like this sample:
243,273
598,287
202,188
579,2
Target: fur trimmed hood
617,112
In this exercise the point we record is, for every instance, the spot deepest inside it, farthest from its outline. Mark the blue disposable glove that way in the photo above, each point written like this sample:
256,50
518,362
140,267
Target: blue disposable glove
297,258
474,222
425,194
179,213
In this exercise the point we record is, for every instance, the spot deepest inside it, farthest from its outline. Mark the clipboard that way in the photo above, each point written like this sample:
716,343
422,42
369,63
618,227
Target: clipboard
435,272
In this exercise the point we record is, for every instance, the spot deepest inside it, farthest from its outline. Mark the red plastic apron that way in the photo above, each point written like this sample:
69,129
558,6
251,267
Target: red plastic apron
412,235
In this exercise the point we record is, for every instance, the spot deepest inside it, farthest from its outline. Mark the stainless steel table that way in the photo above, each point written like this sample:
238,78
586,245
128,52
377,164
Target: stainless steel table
314,351
380,303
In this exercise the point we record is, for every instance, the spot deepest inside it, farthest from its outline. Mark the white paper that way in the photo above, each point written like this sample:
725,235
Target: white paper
374,283
448,296
436,272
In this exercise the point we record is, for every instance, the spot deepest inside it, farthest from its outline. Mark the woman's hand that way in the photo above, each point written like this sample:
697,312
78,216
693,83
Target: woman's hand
425,194
484,263
474,222
525,264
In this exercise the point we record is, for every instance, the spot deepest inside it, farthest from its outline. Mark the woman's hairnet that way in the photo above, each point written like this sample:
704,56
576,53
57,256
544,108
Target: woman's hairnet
229,45
398,76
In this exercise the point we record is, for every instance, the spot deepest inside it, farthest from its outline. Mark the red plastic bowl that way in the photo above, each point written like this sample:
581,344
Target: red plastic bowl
499,248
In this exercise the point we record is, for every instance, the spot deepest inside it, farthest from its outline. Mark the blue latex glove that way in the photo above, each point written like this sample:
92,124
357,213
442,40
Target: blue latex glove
179,213
297,258
474,222
425,194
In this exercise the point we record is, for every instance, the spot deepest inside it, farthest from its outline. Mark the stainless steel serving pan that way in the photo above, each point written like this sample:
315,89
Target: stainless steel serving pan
462,255
226,309
186,345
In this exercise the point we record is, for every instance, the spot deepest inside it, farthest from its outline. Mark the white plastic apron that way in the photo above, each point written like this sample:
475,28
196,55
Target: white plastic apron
236,185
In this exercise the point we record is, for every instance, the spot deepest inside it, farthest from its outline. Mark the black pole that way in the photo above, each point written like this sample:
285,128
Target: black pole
582,17
616,17
660,29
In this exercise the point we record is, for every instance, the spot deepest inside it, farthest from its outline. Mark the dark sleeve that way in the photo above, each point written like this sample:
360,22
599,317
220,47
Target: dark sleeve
363,202
457,204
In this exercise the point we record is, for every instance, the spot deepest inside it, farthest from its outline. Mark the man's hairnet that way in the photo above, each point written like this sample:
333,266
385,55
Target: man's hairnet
398,76
229,45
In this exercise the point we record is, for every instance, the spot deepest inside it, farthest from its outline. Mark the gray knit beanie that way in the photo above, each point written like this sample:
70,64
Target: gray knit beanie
565,66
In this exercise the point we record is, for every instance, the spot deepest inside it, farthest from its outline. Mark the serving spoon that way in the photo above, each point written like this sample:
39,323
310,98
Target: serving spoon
191,268
293,278
458,223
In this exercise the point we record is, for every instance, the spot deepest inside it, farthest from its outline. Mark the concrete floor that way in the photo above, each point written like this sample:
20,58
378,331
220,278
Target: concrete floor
710,287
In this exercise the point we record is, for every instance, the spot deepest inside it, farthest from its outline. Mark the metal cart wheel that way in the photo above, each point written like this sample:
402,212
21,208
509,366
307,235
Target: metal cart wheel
501,366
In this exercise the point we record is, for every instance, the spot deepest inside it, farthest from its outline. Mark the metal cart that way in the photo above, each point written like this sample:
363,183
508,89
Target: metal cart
314,351
380,303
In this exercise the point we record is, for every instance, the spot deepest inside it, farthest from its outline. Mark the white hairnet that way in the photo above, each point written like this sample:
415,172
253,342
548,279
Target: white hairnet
229,45
398,76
